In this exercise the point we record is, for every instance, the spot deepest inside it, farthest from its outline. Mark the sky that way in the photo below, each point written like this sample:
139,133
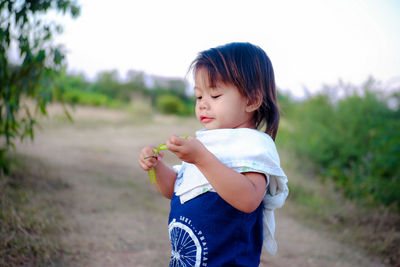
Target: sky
311,43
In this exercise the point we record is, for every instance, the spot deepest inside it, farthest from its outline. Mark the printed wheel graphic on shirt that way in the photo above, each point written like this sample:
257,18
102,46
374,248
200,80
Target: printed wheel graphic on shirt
186,248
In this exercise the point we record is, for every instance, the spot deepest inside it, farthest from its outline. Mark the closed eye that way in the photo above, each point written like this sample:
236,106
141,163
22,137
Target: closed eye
215,96
198,97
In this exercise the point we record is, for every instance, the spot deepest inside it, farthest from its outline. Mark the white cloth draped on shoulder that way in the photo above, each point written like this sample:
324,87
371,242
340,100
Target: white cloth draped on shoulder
243,150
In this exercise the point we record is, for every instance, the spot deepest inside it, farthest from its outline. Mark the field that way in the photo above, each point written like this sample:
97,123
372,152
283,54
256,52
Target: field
110,215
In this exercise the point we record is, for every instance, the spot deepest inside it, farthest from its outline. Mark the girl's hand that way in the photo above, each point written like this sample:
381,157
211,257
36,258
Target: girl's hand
146,161
189,150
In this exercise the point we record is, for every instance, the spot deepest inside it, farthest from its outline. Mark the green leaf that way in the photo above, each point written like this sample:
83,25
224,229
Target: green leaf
152,176
41,56
58,57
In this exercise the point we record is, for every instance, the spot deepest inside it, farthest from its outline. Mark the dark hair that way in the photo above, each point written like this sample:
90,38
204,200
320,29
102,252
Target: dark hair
249,69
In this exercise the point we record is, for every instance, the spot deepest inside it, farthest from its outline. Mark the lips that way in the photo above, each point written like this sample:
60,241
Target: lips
205,119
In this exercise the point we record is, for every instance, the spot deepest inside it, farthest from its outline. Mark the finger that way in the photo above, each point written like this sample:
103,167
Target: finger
144,166
171,146
160,155
151,161
144,157
177,140
147,151
148,164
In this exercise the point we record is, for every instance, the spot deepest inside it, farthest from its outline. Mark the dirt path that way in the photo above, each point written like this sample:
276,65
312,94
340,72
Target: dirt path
116,218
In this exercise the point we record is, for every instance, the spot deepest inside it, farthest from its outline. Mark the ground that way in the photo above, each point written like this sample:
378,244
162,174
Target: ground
112,214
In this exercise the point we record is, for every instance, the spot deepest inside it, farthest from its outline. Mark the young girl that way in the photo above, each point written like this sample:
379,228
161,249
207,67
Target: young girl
230,180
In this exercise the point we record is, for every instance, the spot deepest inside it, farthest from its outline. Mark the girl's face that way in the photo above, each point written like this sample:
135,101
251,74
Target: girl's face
221,107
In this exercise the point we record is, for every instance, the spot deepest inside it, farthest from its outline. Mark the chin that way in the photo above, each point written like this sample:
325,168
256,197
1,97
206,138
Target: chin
210,127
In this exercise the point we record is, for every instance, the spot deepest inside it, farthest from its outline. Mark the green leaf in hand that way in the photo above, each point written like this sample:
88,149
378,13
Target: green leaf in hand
152,171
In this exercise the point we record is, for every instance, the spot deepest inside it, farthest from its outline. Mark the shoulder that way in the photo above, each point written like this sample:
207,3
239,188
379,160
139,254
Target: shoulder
233,143
254,140
253,134
238,134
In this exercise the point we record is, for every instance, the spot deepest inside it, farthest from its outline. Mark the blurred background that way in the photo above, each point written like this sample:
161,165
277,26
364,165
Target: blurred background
85,84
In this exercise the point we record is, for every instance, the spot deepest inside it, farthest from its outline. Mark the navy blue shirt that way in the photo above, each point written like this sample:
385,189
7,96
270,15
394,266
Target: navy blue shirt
207,231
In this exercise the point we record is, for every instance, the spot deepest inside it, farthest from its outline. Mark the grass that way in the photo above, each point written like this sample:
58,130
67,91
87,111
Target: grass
30,220
320,205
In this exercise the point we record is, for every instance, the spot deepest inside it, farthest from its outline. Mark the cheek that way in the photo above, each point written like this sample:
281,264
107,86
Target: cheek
196,110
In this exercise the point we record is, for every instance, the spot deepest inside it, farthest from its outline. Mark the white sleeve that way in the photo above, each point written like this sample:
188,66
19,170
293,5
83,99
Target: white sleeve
177,168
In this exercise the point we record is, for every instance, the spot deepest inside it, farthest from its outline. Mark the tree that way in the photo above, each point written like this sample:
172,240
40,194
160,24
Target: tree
23,28
107,82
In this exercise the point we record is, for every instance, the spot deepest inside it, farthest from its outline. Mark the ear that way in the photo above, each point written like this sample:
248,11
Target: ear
254,104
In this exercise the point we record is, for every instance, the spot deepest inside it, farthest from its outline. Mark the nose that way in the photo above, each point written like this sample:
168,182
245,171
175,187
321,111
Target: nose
203,104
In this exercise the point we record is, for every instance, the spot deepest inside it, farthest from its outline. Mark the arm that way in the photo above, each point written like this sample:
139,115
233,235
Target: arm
165,176
243,191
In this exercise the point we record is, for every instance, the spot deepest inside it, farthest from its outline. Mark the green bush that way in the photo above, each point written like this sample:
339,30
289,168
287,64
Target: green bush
171,104
76,96
354,140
